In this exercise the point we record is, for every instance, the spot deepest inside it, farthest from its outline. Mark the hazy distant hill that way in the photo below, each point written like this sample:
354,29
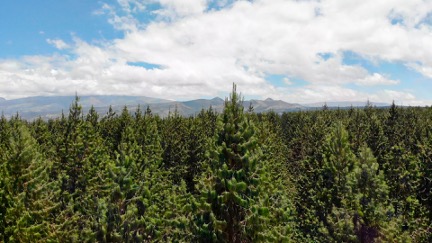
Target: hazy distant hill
52,106
346,104
278,106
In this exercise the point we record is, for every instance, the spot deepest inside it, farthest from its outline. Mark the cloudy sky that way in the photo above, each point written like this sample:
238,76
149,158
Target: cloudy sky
298,51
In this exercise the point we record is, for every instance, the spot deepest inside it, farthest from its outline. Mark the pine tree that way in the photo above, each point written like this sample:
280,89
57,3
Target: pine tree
403,174
111,131
279,183
200,132
365,205
4,175
73,150
82,159
125,188
303,134
393,129
424,193
370,192
144,205
337,162
4,134
358,128
28,190
175,145
375,139
234,205
40,131
92,117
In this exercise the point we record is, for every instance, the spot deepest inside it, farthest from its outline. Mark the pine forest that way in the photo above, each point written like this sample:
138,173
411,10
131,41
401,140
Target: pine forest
328,175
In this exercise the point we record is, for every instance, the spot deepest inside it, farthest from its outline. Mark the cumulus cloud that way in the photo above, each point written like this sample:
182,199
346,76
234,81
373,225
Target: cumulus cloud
123,22
201,50
327,93
423,69
174,8
287,81
376,79
132,6
58,43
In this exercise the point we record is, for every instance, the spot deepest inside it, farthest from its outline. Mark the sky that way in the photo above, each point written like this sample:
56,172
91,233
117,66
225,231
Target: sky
299,51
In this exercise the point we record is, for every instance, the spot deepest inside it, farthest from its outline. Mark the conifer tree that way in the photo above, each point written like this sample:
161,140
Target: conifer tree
362,215
198,138
73,150
279,183
403,175
149,138
82,157
393,128
4,175
111,131
125,187
143,205
425,190
28,190
234,205
307,135
175,145
40,131
337,162
4,133
92,117
358,129
376,140
369,193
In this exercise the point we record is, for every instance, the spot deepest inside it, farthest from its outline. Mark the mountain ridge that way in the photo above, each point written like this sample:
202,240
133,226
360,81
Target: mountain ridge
346,104
48,107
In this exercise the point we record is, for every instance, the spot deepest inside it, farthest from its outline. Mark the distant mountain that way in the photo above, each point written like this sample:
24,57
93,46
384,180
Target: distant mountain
343,104
52,106
203,103
269,104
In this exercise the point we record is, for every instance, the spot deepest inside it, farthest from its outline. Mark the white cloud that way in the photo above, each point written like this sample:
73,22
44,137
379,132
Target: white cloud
58,43
287,81
322,93
174,8
401,98
423,69
376,79
132,6
126,21
203,51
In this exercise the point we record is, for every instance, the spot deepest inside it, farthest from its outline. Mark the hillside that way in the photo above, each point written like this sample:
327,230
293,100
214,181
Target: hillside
52,107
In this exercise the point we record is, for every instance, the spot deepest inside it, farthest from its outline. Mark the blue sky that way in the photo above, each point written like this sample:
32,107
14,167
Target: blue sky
25,26
297,51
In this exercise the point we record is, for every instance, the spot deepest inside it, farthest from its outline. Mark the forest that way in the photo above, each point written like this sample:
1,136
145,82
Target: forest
330,175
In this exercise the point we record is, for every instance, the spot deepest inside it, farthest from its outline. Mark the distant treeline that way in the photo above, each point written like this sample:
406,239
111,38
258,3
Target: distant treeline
352,175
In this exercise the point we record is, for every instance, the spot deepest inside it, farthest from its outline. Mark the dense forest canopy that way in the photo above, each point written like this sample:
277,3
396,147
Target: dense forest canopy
354,175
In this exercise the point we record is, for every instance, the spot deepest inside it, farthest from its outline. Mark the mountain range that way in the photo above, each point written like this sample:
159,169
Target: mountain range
52,106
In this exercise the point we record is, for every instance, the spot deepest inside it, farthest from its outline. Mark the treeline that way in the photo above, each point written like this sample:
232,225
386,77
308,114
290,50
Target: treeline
356,175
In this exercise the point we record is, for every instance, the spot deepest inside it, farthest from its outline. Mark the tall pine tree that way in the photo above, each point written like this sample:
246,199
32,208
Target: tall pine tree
235,205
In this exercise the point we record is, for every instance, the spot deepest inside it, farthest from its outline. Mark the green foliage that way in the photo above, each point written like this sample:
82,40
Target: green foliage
338,161
345,175
235,203
26,190
175,145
